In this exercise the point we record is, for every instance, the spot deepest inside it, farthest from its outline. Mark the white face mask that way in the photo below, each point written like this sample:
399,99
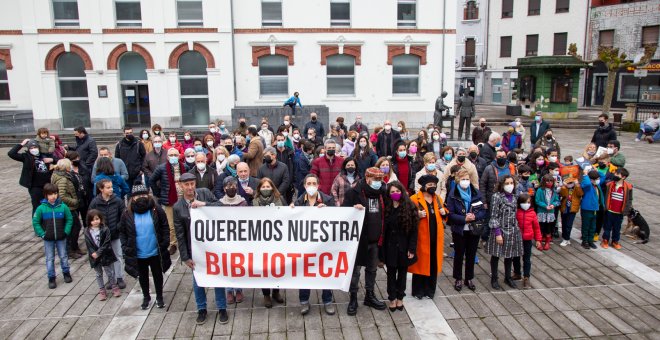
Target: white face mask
525,206
610,151
201,166
158,145
296,136
190,159
212,130
388,127
552,159
172,140
311,190
221,158
145,136
556,172
186,137
465,183
508,188
363,144
286,123
210,143
436,137
34,152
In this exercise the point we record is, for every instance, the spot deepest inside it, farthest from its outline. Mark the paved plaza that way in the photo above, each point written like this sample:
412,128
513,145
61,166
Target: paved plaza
577,293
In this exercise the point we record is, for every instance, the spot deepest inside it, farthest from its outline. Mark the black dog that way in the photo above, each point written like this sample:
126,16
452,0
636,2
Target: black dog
640,229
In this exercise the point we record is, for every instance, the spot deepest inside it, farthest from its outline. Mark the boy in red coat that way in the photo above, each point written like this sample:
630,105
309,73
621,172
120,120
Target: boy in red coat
530,231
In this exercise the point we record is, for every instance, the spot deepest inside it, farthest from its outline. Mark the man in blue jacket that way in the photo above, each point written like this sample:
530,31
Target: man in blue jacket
592,200
292,101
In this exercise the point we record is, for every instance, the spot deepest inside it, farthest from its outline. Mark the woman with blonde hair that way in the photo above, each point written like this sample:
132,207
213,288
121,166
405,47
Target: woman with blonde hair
220,156
385,165
401,128
62,178
430,168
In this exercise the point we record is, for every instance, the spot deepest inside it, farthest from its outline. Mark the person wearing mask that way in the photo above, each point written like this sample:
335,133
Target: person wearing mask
315,124
548,142
266,135
385,166
539,166
430,168
399,247
531,233
188,140
423,139
158,131
618,203
204,175
616,157
481,132
538,128
189,159
246,183
153,158
220,155
349,144
228,143
402,130
387,141
446,156
222,128
511,139
463,162
194,197
440,108
107,171
347,178
255,154
430,238
402,167
85,146
342,127
287,125
292,102
68,194
132,153
358,126
592,201
589,153
313,197
488,149
144,235
435,145
571,197
314,138
286,155
145,139
228,171
117,164
364,155
275,170
497,169
81,177
505,238
466,113
336,134
416,158
546,201
173,142
525,184
605,131
466,213
479,163
302,166
327,167
374,136
242,128
35,172
368,193
163,184
215,132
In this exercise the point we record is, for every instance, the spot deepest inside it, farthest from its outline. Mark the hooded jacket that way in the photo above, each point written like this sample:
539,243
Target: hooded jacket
52,222
66,189
106,256
132,152
112,210
603,135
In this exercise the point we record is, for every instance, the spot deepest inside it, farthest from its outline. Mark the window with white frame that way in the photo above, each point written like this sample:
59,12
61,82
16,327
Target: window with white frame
193,80
405,74
4,81
340,13
271,12
273,75
65,13
73,90
189,13
341,74
128,13
407,13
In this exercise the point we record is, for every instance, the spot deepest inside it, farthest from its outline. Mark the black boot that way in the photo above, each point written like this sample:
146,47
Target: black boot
352,304
373,302
509,281
145,302
495,284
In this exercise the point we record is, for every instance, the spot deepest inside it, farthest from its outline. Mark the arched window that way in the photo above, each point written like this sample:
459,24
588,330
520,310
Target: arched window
273,75
471,11
341,74
405,74
132,67
194,85
73,90
4,81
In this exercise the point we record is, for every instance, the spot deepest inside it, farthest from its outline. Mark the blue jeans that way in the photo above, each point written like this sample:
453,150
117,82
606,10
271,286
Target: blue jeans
567,225
200,296
643,129
326,296
656,136
49,249
612,226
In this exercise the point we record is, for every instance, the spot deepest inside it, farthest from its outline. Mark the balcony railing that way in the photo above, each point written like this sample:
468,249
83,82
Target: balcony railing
469,61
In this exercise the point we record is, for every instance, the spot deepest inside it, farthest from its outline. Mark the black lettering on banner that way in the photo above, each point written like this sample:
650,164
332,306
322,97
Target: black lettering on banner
255,230
210,230
312,230
220,230
293,231
199,230
324,231
355,231
343,231
241,230
231,230
278,230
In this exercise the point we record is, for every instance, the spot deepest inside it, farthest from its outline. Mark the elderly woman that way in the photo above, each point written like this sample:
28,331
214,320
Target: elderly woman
189,159
220,159
231,197
429,169
67,192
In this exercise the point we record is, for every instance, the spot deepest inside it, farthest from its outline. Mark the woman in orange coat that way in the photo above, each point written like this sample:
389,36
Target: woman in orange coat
430,238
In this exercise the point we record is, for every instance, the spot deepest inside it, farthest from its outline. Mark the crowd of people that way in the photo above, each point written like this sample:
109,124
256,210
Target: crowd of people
507,192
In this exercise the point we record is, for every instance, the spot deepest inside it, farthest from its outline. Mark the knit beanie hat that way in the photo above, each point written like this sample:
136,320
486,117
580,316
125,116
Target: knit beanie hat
139,189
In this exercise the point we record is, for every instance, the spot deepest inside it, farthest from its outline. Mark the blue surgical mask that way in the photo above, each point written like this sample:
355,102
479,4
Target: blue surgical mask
430,167
280,144
173,160
198,148
498,144
401,154
448,157
376,185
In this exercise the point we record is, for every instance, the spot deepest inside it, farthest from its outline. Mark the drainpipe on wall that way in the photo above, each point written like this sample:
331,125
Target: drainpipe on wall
233,47
483,72
442,69
587,40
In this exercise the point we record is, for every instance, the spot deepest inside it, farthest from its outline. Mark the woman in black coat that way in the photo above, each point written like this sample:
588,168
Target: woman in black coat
35,172
146,220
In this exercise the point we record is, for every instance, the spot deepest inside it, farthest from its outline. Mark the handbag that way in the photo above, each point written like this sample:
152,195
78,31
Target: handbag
477,227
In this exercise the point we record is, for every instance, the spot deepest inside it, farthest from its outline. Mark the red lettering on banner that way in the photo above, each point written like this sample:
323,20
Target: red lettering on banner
322,272
251,272
224,263
212,267
308,263
294,262
265,264
237,262
280,266
342,264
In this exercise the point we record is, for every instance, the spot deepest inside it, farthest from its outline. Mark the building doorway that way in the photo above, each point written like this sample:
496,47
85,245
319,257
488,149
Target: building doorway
134,90
600,83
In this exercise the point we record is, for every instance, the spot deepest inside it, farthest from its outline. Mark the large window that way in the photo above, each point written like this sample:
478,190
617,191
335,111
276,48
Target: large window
507,8
559,47
562,6
4,82
405,74
73,90
650,35
128,13
528,88
532,45
534,7
271,12
407,13
470,58
561,90
649,88
341,75
65,13
340,12
194,85
606,38
505,47
189,13
273,75
471,11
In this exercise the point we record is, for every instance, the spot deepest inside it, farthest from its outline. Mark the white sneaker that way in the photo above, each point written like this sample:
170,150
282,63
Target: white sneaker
636,139
565,243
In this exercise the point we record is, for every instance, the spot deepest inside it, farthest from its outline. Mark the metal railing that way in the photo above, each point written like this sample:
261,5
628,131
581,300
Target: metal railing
644,111
469,61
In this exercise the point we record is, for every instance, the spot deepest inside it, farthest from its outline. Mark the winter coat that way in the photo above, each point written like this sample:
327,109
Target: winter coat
204,181
340,186
112,209
118,165
65,188
506,141
317,126
320,198
348,147
181,211
423,264
603,135
359,128
541,204
132,152
397,241
86,148
552,144
326,170
528,224
278,174
467,165
423,172
627,196
46,145
177,145
105,254
287,157
370,233
536,135
119,185
160,183
368,161
592,199
28,169
127,235
457,211
254,156
411,172
219,190
487,152
480,135
302,167
480,164
489,179
503,222
52,222
576,198
394,138
152,160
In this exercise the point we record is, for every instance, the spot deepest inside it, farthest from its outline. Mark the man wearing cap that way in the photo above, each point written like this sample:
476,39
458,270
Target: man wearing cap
367,194
194,198
35,173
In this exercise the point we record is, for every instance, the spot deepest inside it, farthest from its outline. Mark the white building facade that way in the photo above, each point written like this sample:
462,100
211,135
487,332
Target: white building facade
472,21
104,64
521,28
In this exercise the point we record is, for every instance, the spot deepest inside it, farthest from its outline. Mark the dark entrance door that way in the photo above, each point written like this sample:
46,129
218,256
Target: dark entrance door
136,105
599,90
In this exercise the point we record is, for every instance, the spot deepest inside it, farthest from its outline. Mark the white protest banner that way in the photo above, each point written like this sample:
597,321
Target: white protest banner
275,247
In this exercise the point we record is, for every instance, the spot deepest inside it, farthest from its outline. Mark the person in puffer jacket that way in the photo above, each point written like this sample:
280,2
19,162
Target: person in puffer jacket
530,229
52,222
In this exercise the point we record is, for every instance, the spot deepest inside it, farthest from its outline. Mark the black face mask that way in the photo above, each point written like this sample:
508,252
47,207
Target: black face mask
268,159
229,148
130,138
460,159
75,163
242,124
601,124
350,171
431,190
616,178
525,177
231,192
602,165
483,124
501,161
473,155
141,205
330,152
313,119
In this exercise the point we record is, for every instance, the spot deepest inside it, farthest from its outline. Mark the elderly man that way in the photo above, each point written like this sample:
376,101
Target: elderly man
358,126
387,141
326,168
479,163
538,128
204,175
117,164
462,160
488,149
164,186
481,133
466,112
315,124
154,158
247,184
277,171
194,198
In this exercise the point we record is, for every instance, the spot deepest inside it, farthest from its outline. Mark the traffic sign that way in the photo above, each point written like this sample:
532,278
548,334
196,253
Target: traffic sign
641,73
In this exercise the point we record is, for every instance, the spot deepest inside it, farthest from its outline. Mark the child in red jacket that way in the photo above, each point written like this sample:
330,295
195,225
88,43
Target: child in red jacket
530,231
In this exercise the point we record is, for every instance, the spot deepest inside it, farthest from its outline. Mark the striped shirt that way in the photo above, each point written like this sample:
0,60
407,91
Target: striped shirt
616,200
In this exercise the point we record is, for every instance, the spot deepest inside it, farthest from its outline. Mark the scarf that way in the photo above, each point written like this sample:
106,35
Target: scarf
231,170
232,201
172,195
466,196
266,201
371,193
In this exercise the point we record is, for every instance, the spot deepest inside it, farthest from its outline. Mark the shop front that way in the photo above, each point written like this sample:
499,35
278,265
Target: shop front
628,88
